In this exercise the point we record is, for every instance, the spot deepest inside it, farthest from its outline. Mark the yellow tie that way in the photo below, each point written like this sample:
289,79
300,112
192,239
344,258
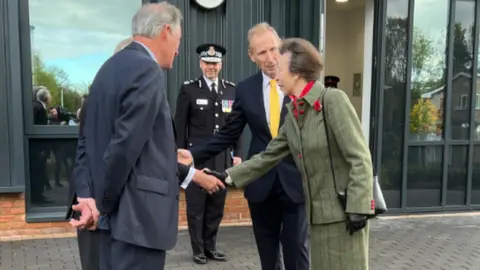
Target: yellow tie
274,109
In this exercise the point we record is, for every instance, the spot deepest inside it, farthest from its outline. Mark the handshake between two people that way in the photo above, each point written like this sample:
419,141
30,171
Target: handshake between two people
210,181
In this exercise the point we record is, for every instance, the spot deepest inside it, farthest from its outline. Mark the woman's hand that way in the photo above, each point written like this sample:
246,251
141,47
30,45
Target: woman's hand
356,222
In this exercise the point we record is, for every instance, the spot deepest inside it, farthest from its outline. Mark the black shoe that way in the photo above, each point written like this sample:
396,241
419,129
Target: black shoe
200,258
216,256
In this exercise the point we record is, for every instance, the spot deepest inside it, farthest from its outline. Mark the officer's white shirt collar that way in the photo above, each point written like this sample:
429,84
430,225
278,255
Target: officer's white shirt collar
209,83
148,50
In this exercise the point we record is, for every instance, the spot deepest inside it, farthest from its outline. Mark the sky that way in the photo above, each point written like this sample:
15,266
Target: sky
78,36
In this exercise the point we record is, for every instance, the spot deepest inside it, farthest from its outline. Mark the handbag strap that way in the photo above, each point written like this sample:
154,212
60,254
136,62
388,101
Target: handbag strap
328,139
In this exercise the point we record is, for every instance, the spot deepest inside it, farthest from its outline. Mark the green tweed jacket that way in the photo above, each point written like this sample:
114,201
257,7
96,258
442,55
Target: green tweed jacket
305,139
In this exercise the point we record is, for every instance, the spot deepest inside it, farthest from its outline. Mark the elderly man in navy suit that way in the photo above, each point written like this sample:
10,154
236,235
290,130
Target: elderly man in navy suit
276,200
127,175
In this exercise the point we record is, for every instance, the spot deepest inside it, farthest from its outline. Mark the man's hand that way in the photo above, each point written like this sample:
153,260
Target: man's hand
237,160
86,216
185,157
89,214
208,182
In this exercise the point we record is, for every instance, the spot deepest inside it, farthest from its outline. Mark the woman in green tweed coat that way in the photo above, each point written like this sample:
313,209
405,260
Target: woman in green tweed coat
338,234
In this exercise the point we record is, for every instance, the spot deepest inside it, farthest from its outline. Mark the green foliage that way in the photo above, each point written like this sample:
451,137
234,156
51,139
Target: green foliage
423,116
56,80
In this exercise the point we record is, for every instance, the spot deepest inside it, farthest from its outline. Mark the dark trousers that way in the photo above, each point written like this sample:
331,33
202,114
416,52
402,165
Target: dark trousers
125,256
279,219
94,249
204,214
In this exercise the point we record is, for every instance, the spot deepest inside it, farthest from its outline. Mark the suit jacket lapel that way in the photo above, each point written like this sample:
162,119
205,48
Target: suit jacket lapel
258,101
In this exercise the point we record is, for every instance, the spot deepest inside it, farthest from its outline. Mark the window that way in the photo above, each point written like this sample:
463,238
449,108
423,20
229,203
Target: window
462,102
51,163
429,44
477,102
69,41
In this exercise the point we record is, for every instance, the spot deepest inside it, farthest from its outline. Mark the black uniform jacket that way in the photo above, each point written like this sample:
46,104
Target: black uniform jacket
200,113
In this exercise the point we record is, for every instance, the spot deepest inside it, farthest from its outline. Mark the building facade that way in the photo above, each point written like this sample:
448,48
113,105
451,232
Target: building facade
410,68
60,45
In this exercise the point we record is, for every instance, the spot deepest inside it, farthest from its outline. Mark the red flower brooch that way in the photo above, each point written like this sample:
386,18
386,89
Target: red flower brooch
317,106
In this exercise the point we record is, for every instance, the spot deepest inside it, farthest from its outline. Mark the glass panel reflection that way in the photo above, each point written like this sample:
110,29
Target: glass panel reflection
428,69
70,40
51,164
457,175
396,40
462,69
424,176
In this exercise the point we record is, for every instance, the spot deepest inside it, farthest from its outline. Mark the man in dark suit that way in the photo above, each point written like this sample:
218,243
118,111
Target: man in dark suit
129,167
40,153
89,241
275,200
202,108
41,100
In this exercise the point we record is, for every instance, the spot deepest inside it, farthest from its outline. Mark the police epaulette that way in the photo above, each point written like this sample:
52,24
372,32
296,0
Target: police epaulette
187,82
230,83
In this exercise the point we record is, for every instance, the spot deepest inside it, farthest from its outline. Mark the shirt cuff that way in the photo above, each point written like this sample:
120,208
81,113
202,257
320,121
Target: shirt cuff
188,179
228,180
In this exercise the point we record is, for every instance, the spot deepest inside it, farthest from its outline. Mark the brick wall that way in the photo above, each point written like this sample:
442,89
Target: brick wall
12,216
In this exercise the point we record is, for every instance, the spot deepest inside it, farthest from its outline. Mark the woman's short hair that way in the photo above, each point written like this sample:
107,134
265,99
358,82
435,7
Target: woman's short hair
305,60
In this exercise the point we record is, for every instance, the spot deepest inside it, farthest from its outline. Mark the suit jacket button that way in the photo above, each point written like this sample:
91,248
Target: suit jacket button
105,195
300,156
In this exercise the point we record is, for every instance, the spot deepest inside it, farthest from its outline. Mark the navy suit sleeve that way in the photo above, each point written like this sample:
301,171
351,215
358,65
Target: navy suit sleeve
183,171
227,136
181,117
81,172
139,107
83,181
238,148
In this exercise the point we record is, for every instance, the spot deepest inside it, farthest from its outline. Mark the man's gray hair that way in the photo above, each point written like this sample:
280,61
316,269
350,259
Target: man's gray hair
41,93
151,18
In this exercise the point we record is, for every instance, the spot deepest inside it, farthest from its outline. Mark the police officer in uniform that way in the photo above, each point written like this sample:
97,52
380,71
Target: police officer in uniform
202,108
331,81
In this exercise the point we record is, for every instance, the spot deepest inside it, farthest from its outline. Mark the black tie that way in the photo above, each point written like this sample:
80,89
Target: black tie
214,91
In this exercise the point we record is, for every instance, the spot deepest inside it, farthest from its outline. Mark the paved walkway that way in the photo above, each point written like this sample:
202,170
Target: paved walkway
448,243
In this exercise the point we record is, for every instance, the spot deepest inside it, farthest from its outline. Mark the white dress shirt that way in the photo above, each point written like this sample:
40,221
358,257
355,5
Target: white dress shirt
191,172
209,83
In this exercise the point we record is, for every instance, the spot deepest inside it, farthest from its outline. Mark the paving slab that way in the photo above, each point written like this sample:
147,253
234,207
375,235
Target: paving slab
439,243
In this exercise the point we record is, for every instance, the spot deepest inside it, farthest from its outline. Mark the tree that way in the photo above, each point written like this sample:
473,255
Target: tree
427,64
423,117
56,81
462,50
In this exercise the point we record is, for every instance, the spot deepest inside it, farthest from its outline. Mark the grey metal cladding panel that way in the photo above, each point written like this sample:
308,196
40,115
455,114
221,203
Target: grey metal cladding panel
227,25
296,18
4,130
199,26
241,16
